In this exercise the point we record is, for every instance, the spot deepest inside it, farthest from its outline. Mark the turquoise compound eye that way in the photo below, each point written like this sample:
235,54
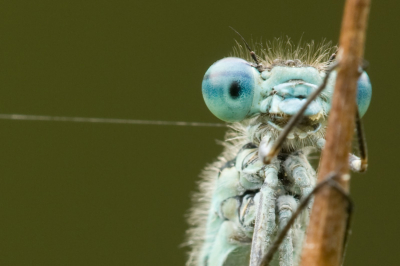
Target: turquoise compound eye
228,89
364,93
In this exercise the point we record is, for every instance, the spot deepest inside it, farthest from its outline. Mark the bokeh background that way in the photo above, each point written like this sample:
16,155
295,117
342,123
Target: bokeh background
105,194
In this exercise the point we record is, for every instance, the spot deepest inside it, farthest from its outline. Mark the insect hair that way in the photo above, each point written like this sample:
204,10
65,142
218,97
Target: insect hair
279,50
198,214
237,135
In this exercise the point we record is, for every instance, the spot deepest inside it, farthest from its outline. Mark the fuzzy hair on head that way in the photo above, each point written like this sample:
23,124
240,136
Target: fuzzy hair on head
279,50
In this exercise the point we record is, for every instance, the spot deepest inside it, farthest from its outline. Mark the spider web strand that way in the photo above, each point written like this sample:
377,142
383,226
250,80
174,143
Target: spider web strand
24,117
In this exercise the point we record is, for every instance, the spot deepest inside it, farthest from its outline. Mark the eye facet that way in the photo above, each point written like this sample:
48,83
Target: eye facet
228,89
364,93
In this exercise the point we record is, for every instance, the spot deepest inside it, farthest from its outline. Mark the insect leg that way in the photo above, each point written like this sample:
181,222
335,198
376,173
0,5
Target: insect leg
265,225
362,145
285,207
330,181
300,173
357,164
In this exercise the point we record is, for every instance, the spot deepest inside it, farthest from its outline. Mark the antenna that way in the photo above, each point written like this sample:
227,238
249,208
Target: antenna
252,53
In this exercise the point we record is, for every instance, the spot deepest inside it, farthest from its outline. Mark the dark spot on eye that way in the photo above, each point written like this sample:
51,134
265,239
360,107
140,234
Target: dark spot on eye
234,90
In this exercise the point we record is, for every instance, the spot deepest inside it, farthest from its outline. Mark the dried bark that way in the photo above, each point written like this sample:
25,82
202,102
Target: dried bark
325,234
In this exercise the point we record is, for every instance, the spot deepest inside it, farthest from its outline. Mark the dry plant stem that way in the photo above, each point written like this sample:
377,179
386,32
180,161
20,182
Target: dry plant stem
325,234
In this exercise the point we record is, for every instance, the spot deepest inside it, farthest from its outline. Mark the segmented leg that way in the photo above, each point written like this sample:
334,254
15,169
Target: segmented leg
265,222
301,174
285,207
248,212
356,163
362,144
328,181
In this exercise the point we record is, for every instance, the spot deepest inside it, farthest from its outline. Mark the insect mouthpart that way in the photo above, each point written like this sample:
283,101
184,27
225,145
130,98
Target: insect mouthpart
281,119
308,126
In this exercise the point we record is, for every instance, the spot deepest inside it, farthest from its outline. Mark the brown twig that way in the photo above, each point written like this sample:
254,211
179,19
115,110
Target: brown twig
327,227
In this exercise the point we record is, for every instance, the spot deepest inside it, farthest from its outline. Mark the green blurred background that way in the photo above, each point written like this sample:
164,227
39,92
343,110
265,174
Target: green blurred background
104,194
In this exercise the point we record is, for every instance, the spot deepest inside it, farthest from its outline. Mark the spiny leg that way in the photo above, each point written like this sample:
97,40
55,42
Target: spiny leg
330,181
300,173
357,164
302,179
265,221
285,207
362,144
248,211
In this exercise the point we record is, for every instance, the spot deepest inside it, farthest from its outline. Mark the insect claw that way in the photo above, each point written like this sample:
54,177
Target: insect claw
364,166
266,151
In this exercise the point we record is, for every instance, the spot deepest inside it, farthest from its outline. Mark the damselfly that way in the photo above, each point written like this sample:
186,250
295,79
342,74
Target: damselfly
259,101
260,95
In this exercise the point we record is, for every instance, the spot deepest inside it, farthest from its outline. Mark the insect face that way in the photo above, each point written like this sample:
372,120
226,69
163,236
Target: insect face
235,90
